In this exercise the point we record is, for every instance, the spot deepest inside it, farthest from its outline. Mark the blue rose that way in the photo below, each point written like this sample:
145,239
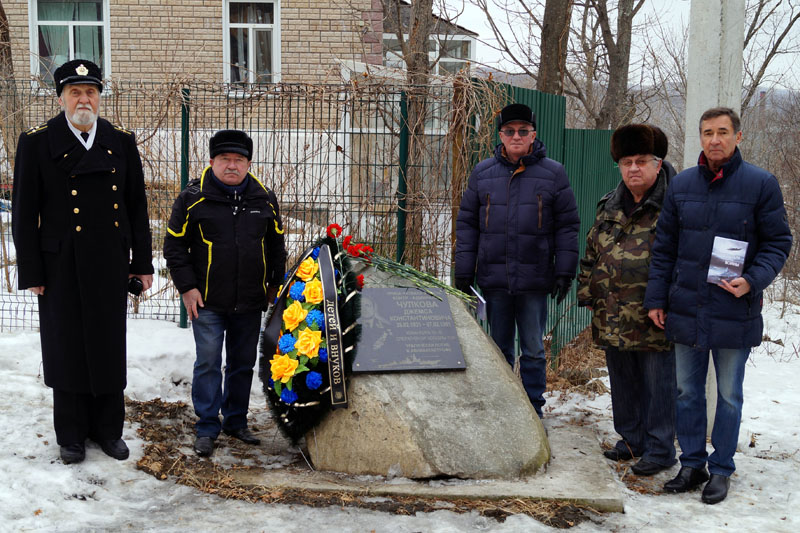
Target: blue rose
271,383
315,252
288,396
286,343
323,355
296,292
315,316
313,380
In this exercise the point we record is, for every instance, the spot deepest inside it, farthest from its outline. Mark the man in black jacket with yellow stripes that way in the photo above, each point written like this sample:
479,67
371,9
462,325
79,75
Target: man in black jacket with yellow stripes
226,255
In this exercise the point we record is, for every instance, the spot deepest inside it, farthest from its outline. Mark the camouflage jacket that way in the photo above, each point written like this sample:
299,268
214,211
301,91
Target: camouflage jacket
613,273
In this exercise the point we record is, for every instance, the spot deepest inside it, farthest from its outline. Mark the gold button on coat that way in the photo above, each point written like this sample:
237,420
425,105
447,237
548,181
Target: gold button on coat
77,228
74,192
116,223
113,187
113,170
109,151
76,210
116,206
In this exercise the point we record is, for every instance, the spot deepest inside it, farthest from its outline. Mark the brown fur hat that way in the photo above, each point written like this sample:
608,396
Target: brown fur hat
636,139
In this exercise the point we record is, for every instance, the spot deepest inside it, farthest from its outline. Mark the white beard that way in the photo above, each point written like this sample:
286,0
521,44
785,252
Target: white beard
82,117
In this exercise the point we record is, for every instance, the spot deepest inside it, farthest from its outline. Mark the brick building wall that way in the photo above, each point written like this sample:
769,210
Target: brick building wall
156,40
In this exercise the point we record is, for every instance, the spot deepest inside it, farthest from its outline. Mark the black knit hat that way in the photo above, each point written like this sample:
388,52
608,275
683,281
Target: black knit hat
77,71
513,112
635,139
231,141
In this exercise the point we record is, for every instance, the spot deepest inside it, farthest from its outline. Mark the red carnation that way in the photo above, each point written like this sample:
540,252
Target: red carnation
360,281
346,241
334,230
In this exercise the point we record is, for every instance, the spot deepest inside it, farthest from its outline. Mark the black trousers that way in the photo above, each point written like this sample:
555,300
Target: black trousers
77,416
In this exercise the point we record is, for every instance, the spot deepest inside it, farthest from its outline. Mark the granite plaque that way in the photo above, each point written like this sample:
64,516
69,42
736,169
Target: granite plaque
406,329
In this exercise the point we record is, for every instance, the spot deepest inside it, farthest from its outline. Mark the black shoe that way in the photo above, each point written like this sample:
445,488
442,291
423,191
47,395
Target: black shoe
687,479
716,489
615,454
647,468
73,453
115,448
243,434
203,446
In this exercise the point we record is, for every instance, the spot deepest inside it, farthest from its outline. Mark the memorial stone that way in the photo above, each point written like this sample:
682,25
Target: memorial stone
474,423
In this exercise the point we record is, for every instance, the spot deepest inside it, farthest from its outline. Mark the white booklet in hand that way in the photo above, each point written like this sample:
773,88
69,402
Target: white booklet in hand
727,259
480,305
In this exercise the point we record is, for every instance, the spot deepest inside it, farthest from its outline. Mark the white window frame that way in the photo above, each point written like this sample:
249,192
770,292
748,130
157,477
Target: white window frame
433,54
276,39
33,33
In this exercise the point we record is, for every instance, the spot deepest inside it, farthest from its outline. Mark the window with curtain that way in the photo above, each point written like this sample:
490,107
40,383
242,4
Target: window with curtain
68,30
252,45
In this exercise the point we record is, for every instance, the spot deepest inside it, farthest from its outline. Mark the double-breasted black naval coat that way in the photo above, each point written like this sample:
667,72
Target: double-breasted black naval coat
80,226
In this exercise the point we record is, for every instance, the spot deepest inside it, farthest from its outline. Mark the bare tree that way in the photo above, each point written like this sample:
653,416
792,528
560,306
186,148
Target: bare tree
555,39
770,34
596,63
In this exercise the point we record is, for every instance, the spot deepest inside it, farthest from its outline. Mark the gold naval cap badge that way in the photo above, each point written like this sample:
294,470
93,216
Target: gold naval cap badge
82,70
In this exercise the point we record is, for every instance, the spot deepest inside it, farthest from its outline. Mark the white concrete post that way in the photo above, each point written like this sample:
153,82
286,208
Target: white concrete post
714,78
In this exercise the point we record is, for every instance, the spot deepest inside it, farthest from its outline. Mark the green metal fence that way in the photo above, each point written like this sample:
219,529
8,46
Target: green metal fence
332,153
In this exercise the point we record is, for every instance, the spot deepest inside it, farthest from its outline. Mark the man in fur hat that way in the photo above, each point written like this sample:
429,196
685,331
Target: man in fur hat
517,234
82,236
225,252
612,283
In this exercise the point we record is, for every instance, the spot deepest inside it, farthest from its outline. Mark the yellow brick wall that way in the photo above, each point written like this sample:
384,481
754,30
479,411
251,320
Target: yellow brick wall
156,40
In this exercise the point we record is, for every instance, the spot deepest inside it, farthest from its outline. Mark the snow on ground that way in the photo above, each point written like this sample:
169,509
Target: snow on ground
40,493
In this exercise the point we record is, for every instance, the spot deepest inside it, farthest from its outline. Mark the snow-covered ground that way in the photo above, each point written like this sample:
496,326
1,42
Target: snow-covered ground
39,493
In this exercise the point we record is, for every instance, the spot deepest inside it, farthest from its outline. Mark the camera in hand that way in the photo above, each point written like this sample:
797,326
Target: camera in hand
135,286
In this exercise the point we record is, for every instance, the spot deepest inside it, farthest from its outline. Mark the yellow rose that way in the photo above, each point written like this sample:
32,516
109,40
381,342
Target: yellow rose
282,368
308,342
307,269
293,315
313,292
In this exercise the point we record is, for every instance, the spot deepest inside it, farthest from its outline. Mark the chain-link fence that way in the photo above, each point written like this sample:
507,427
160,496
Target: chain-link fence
388,163
331,153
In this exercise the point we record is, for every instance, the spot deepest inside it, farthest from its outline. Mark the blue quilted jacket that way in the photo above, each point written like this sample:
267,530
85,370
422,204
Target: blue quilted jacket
745,204
518,224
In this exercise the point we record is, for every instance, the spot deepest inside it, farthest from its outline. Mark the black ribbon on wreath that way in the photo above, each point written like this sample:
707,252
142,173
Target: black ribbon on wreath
317,307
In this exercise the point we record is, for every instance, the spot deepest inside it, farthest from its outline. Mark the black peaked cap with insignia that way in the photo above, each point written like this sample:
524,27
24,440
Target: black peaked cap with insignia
77,71
231,141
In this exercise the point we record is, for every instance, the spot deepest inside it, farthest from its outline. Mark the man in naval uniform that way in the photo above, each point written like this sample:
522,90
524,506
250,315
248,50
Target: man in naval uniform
81,232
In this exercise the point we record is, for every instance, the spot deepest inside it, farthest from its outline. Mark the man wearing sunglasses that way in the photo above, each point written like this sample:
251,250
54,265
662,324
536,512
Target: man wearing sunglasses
517,236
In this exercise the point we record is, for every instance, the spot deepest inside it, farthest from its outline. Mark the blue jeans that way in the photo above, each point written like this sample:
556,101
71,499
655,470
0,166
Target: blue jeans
643,403
240,332
525,314
691,369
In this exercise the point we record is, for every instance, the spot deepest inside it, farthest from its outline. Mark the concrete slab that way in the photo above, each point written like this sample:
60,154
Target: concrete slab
577,473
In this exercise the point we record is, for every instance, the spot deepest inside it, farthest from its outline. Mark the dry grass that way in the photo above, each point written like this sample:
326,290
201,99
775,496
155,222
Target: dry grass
168,427
580,364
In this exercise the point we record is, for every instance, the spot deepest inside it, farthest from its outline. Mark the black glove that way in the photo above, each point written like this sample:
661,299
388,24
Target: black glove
463,284
561,288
